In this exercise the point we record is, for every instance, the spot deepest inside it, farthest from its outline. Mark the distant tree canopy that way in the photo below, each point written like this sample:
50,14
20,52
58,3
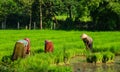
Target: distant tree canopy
60,14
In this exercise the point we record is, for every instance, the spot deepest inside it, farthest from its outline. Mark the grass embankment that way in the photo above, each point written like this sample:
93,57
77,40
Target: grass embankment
66,45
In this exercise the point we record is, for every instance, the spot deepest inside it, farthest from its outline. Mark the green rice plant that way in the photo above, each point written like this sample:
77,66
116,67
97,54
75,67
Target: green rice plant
94,58
70,53
6,60
31,64
100,49
79,52
108,57
103,57
115,50
66,57
97,58
89,58
60,69
58,56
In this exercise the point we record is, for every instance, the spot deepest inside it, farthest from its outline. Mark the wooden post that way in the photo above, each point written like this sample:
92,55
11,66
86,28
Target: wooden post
51,26
2,25
18,25
55,22
26,27
34,25
54,26
29,26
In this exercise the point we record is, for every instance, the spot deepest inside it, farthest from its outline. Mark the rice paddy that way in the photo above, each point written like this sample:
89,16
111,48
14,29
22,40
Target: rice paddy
67,44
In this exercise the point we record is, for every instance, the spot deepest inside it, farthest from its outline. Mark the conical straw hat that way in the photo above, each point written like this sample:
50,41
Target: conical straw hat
84,36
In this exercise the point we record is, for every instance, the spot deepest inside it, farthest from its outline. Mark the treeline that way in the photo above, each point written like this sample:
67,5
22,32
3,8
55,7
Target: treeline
60,14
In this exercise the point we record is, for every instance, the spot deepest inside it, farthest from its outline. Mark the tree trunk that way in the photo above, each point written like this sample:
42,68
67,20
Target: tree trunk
34,25
55,22
2,25
40,14
70,11
5,22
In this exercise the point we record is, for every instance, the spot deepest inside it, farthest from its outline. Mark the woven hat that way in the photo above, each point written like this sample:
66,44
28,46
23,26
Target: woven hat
84,36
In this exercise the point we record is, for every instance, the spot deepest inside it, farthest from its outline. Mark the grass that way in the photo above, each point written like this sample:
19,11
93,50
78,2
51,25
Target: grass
66,45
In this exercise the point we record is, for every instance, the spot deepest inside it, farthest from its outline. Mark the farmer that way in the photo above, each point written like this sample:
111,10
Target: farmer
48,46
88,41
21,49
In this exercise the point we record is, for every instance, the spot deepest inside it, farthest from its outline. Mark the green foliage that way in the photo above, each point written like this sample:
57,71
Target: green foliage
61,17
115,6
104,17
7,7
74,14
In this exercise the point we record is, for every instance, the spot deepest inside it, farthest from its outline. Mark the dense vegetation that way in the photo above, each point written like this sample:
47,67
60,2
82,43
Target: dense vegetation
67,44
60,14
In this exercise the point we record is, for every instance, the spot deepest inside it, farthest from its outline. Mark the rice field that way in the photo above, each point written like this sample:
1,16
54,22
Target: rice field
67,44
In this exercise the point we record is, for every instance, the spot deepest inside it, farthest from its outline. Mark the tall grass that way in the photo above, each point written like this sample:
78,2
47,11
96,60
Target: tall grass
66,45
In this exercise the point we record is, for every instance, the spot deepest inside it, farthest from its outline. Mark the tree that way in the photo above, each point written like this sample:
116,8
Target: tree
41,14
115,8
70,6
105,15
7,7
50,9
36,13
26,8
37,8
